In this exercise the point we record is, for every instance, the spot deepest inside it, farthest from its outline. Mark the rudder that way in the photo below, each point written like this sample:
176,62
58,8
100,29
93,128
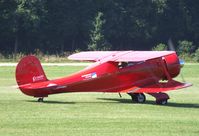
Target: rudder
29,70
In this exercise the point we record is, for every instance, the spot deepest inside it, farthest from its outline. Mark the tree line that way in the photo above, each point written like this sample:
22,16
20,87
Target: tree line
55,26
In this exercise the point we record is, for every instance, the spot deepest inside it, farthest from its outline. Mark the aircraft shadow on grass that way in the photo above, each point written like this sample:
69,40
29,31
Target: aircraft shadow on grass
51,102
123,101
170,104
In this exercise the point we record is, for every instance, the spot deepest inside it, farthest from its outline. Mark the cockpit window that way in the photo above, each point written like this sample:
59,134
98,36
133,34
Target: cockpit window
122,65
126,64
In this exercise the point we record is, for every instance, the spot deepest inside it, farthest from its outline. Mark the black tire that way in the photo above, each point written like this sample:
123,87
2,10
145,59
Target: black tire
138,98
162,102
40,99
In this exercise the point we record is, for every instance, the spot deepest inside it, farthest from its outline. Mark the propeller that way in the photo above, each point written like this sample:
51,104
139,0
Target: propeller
171,45
181,61
14,86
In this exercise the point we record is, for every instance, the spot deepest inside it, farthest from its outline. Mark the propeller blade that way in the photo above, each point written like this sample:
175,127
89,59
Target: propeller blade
172,48
15,86
181,75
181,61
171,45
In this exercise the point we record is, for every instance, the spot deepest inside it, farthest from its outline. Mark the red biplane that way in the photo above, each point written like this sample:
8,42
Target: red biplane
131,72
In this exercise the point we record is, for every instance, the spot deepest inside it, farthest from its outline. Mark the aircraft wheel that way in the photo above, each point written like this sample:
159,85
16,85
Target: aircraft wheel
162,102
41,99
139,98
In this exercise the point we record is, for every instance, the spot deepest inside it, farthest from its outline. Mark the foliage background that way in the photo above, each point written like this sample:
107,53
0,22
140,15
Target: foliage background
55,26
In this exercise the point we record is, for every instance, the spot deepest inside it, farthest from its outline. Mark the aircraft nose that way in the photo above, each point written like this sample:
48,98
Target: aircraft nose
181,61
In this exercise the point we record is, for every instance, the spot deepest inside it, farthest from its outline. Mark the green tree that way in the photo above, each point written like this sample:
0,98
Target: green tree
98,41
160,47
25,21
160,5
185,47
7,9
196,55
185,50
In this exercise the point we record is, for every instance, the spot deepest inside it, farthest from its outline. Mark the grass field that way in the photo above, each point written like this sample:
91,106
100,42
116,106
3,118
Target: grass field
85,114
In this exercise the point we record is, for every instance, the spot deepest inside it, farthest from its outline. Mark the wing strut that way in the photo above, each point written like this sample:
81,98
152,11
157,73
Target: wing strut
120,95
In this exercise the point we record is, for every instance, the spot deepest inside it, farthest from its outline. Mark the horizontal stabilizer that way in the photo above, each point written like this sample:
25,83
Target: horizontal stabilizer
41,86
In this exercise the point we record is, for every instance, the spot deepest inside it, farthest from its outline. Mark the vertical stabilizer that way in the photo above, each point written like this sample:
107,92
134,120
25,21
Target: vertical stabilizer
29,70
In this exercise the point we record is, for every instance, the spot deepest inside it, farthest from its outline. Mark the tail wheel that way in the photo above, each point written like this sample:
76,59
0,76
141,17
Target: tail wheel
138,97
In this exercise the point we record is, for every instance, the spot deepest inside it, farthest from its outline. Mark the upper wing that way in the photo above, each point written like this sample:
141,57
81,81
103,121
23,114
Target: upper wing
119,56
158,87
91,55
136,56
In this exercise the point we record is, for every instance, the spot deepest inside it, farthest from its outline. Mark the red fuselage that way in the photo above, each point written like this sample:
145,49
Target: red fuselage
107,77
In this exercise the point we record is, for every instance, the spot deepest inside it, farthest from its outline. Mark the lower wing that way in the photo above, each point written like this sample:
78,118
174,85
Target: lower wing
158,87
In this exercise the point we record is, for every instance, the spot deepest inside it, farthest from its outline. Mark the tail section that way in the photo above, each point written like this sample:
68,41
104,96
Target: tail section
29,70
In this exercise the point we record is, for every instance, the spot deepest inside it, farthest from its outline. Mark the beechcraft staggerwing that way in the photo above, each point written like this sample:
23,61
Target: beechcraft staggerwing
131,72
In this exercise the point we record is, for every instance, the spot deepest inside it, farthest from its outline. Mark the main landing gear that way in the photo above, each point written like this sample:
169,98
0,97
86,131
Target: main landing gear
161,98
138,97
162,102
40,99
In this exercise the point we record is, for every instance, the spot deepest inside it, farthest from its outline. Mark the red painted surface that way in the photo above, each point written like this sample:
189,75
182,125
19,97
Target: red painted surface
141,75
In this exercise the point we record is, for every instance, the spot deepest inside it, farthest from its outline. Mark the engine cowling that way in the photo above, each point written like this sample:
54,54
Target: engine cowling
173,64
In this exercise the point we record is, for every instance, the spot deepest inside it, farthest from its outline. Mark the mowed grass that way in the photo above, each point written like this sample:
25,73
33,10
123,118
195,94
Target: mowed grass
84,114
